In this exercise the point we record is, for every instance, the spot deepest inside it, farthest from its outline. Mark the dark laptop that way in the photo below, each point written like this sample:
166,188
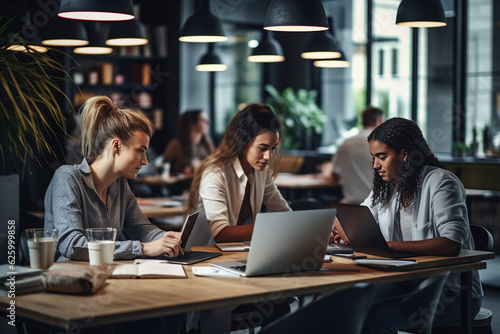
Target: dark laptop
189,257
363,231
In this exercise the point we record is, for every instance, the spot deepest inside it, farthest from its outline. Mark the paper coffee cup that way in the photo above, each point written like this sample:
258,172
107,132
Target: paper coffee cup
101,245
42,247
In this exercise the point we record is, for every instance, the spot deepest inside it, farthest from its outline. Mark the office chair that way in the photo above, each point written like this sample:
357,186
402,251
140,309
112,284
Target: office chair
481,324
23,254
341,312
420,305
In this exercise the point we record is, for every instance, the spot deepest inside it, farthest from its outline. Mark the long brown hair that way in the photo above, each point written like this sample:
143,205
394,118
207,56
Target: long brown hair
186,121
102,121
243,128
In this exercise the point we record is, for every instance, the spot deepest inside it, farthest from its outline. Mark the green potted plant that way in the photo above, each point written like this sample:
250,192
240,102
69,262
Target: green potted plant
474,145
459,149
300,114
29,99
486,138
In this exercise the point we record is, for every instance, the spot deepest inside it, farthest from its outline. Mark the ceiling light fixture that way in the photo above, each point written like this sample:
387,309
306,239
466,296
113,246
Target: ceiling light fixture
268,50
211,62
28,39
127,33
296,15
97,10
96,44
202,26
332,63
64,32
421,14
322,45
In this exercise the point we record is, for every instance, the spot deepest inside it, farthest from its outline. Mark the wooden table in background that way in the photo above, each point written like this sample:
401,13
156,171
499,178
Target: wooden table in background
133,299
302,185
156,207
157,180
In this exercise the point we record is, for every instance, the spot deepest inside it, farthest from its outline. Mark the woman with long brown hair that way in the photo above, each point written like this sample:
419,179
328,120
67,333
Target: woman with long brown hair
232,183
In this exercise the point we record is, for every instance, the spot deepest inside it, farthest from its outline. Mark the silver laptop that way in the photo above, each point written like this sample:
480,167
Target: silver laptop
284,242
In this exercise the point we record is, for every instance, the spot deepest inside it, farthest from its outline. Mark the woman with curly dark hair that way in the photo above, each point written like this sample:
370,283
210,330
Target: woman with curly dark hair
420,208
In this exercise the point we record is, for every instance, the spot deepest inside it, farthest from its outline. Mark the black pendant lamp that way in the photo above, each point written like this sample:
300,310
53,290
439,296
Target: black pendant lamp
296,15
421,14
210,61
97,10
97,45
322,45
340,62
127,33
202,26
64,32
268,50
28,40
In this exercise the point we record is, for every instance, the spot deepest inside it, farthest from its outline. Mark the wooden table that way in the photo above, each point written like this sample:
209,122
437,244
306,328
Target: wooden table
175,183
156,207
133,299
153,207
301,185
157,180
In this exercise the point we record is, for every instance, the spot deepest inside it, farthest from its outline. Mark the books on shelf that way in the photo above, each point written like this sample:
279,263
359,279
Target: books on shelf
149,269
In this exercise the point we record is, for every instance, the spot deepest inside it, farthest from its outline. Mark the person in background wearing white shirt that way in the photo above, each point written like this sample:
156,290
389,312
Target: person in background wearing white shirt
352,162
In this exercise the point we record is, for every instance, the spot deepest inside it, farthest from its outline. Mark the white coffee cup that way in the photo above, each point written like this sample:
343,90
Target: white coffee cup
42,247
101,245
166,171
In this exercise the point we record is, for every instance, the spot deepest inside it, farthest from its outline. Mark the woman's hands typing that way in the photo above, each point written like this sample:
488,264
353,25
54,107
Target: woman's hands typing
169,245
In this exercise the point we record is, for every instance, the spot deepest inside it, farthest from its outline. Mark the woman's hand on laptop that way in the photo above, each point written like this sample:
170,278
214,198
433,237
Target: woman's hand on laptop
338,233
169,245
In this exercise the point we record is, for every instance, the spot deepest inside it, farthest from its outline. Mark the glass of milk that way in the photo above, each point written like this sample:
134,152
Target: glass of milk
42,247
101,245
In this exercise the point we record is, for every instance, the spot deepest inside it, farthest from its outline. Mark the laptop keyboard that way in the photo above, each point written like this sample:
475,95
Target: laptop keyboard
240,268
189,256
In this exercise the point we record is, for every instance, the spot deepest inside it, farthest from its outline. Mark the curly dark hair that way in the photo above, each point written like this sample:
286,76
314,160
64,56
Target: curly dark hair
402,134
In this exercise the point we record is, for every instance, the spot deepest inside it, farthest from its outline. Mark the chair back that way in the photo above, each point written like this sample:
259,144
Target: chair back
483,240
341,312
24,254
420,306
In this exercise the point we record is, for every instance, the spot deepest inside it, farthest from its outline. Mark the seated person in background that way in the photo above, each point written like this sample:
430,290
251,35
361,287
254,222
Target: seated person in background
191,144
234,181
96,193
352,162
420,208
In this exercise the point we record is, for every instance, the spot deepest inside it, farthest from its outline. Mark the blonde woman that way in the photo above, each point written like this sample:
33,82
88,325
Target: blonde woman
96,193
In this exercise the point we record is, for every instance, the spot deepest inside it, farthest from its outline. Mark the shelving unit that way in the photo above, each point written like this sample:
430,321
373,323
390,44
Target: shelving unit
144,77
131,81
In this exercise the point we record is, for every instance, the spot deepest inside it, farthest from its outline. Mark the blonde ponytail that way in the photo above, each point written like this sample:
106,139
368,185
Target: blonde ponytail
102,121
